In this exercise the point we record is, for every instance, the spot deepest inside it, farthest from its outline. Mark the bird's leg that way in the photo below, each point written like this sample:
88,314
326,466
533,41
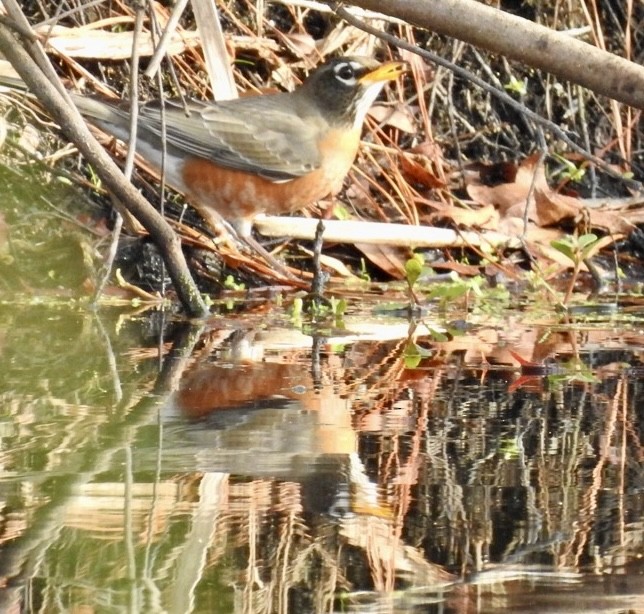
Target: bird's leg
240,232
278,266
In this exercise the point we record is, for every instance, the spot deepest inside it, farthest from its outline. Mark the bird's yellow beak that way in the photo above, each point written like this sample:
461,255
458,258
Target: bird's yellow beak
385,72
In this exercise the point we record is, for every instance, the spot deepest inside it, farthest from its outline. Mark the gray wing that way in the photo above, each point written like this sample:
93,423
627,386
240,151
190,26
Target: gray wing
249,134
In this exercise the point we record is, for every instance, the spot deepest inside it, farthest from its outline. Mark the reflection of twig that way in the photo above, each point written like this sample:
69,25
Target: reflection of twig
192,555
183,345
20,560
111,360
586,513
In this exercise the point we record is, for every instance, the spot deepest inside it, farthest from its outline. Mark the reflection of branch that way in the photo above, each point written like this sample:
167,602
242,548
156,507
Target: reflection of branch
111,359
587,512
175,362
21,558
191,562
389,557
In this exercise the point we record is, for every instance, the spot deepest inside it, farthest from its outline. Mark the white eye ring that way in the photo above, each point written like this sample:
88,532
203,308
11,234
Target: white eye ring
346,72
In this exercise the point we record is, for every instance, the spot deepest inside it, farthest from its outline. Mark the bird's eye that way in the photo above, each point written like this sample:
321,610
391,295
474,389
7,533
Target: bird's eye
345,72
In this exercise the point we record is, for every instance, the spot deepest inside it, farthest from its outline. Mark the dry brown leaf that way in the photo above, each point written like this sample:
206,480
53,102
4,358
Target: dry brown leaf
397,117
503,197
303,45
486,217
552,208
386,257
614,222
102,45
546,207
358,191
468,270
512,226
517,211
418,170
511,195
416,63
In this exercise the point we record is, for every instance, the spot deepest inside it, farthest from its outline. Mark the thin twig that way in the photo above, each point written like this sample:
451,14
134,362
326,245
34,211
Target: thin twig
131,148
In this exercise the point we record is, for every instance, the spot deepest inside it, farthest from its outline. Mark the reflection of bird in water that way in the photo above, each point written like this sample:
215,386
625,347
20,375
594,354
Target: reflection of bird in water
281,396
255,417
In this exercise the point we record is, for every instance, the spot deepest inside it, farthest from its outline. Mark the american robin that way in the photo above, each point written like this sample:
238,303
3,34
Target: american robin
261,154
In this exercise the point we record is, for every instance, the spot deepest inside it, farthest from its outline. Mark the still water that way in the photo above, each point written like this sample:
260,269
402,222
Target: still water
241,465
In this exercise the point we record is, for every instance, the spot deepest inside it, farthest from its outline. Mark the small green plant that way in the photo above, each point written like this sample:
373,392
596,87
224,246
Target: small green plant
457,288
94,179
413,269
231,284
364,273
516,86
341,212
570,171
576,249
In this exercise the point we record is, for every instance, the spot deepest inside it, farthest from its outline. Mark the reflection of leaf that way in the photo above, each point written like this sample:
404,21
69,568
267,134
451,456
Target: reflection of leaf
566,378
438,335
508,448
458,288
414,354
338,306
412,360
445,291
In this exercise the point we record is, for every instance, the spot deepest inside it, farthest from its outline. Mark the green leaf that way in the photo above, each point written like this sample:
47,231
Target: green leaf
517,86
412,356
563,246
413,268
587,239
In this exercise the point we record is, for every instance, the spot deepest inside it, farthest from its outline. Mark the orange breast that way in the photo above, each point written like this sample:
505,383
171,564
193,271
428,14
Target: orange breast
238,194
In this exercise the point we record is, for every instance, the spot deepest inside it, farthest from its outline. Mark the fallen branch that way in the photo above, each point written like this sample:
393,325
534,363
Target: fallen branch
345,231
520,39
